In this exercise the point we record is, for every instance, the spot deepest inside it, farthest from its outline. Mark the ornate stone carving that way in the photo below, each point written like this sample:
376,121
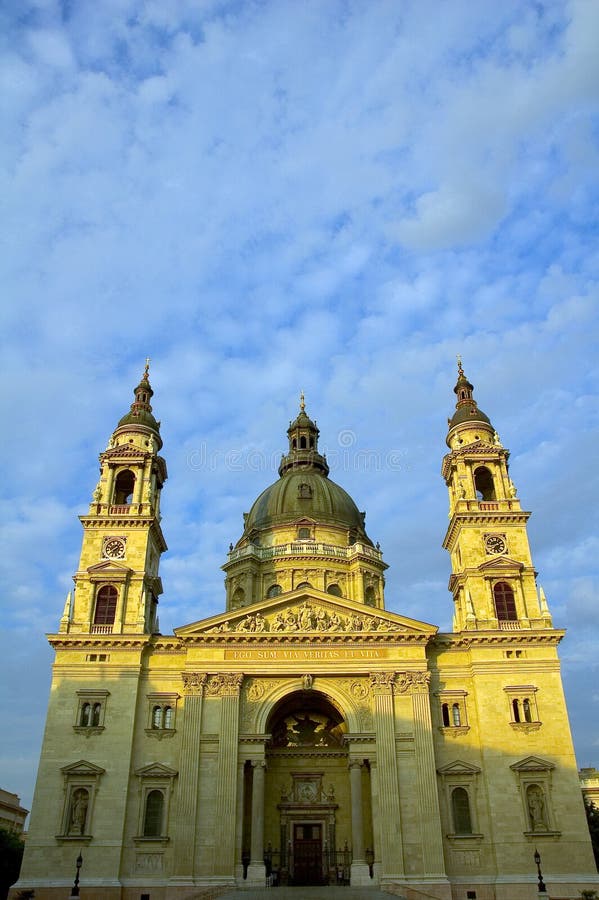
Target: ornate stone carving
227,684
255,690
193,683
412,682
382,682
148,862
359,689
307,617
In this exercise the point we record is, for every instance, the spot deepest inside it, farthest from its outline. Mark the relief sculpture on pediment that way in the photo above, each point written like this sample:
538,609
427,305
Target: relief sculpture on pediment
305,618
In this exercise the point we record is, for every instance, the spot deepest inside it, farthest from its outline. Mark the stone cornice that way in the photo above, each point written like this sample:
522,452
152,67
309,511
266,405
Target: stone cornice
529,636
482,517
105,641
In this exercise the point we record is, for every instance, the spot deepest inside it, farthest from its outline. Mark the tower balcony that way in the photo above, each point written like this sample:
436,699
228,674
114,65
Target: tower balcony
305,548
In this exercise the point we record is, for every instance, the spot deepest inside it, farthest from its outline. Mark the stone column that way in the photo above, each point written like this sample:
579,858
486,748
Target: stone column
391,850
227,687
377,824
239,823
256,869
428,798
359,869
189,768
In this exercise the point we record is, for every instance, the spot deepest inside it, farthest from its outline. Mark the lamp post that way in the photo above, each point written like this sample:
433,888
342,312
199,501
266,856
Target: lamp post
75,888
542,888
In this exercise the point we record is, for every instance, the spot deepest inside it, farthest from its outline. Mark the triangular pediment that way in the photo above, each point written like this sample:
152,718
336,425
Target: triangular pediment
108,567
532,764
501,564
307,611
458,767
156,770
125,451
82,768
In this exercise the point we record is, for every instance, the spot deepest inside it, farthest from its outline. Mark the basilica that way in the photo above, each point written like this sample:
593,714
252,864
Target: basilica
307,735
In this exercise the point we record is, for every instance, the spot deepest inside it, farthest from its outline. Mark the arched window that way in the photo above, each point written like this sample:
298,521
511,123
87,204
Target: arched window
455,714
505,605
123,487
335,590
106,605
483,484
526,710
168,717
370,596
516,709
157,717
460,805
302,443
86,715
304,534
238,597
96,712
294,444
274,591
153,814
445,714
302,585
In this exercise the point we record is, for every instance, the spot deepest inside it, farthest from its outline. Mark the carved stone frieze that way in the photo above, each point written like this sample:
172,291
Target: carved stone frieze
226,684
307,617
193,683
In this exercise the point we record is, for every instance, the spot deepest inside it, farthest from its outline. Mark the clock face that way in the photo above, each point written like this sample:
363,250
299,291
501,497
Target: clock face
494,543
114,548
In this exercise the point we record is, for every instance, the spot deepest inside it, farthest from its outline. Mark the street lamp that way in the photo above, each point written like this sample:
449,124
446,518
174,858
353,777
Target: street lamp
75,888
542,888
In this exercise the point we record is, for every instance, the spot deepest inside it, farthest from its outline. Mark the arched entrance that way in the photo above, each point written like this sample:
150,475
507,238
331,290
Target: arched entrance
307,806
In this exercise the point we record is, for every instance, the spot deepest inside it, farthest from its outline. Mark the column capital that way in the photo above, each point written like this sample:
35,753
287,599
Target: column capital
412,682
382,682
258,764
226,684
193,683
355,764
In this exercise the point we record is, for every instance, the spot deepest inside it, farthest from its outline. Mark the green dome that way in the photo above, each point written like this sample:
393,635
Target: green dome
308,493
468,413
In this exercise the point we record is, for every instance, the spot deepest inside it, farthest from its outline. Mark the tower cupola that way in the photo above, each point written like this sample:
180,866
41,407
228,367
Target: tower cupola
303,444
468,423
140,415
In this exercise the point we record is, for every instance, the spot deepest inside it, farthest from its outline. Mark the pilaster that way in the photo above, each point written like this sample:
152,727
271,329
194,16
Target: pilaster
189,769
227,687
417,684
384,723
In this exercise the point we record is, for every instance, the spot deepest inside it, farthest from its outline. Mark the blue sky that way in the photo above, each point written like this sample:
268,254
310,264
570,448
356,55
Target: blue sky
266,197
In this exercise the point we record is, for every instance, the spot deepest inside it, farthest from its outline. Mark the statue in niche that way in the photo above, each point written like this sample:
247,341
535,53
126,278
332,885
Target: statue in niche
536,808
307,682
79,805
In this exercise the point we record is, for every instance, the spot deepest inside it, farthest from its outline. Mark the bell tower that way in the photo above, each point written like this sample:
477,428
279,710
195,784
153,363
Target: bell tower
117,583
493,580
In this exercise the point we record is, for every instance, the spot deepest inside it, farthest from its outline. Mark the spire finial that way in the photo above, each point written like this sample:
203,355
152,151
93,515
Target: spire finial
302,402
147,368
460,369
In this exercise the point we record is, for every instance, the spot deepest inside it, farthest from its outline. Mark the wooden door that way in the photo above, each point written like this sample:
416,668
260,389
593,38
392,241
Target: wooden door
307,854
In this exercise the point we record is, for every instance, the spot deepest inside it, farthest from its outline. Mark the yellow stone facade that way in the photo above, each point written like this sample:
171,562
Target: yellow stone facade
306,734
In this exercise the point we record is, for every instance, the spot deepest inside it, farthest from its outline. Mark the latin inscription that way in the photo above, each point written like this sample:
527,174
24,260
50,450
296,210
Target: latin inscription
307,653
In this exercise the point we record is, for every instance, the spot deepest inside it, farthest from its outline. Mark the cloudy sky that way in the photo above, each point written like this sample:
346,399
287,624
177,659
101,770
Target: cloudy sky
278,195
